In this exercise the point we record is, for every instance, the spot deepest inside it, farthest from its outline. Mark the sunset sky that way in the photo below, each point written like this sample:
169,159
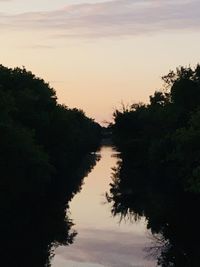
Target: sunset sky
97,54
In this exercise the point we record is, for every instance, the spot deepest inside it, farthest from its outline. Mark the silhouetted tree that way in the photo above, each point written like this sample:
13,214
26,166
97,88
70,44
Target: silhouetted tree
158,175
45,153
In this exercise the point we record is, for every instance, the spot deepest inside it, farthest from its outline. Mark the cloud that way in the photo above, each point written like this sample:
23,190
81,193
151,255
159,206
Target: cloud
111,18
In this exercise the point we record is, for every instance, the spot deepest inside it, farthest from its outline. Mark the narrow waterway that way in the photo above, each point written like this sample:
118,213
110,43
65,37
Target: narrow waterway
102,241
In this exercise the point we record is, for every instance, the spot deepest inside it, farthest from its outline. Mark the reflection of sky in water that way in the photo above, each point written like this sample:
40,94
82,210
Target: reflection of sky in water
101,240
62,263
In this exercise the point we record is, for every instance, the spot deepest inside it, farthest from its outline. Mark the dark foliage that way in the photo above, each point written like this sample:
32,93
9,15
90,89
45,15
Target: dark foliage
166,132
159,173
45,152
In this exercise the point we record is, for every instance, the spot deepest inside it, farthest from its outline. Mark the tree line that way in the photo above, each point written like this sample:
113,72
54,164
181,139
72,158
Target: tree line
164,135
158,173
41,140
45,152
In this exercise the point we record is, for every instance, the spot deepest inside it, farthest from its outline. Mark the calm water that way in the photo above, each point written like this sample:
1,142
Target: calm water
102,241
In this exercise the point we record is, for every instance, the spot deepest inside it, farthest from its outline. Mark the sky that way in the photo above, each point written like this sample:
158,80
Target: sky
100,54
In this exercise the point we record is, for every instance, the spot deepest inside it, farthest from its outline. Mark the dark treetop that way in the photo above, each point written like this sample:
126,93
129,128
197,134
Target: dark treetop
159,173
45,153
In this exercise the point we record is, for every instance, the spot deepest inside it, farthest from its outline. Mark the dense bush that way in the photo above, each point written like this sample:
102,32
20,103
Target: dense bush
158,174
40,140
44,155
164,135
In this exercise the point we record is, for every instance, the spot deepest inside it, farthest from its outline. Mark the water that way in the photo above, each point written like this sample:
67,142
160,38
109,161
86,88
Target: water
102,240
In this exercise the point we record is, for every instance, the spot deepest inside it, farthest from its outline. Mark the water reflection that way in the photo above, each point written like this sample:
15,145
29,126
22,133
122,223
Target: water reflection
172,217
32,225
102,240
34,228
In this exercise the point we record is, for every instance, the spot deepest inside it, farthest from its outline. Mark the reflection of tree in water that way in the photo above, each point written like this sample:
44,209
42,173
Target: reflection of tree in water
171,214
32,225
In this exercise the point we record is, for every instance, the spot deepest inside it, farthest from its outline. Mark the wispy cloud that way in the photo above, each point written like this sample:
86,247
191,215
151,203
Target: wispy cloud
111,18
